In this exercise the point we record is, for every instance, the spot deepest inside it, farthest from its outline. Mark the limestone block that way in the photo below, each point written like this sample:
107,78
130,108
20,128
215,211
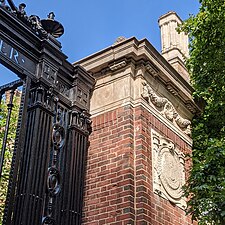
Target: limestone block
110,92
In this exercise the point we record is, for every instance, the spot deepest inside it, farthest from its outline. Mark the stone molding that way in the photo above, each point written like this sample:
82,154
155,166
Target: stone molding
118,65
166,108
151,70
168,170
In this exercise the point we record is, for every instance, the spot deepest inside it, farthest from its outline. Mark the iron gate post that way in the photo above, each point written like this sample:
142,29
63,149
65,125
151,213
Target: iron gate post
48,169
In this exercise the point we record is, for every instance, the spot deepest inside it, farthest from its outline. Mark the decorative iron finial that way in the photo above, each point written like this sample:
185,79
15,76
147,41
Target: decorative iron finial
21,13
51,16
52,26
22,7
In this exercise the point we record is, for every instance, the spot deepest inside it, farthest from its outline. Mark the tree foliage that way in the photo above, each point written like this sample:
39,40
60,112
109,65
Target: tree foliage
9,147
206,184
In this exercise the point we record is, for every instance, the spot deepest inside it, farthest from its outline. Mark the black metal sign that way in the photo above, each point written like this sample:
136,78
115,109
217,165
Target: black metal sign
15,56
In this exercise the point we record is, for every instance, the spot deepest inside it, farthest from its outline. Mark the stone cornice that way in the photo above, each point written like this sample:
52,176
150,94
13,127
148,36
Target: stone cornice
137,49
121,55
148,69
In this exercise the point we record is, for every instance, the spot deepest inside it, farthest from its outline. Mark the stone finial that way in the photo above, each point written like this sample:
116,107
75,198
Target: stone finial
120,39
170,38
174,44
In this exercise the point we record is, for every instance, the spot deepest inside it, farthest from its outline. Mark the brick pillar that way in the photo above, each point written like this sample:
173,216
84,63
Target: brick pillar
109,197
119,182
141,125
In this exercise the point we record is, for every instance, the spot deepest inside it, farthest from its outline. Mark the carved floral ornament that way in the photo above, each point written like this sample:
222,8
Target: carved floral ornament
168,170
166,108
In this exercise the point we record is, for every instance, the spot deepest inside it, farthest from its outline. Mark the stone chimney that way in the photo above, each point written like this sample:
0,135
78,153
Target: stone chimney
174,44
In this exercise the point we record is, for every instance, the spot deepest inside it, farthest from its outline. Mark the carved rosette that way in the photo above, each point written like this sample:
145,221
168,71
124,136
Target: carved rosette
166,108
168,170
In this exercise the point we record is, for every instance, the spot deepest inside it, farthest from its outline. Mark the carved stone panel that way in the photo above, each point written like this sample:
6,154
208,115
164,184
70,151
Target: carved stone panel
166,108
168,170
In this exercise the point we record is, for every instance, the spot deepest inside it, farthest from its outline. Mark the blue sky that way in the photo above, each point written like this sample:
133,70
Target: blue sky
91,25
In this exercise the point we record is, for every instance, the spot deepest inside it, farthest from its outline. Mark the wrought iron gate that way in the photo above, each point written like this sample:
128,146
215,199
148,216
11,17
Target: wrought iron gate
10,98
48,163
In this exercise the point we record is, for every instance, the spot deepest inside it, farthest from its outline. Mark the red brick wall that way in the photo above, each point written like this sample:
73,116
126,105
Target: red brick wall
119,188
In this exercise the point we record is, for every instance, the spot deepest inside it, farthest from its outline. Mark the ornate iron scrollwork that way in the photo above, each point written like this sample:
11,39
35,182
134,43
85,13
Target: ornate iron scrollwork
42,27
53,178
81,121
53,182
58,136
48,221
